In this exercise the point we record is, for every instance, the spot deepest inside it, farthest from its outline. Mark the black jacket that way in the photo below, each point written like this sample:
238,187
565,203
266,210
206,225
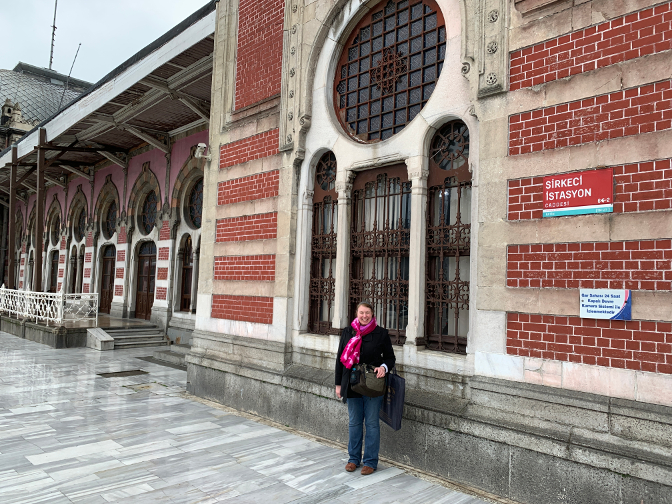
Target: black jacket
376,350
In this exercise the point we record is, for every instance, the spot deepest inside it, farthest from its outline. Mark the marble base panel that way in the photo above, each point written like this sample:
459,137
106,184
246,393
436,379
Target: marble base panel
529,443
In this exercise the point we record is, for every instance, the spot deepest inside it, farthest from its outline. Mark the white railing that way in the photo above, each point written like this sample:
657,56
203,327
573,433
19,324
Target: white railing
57,307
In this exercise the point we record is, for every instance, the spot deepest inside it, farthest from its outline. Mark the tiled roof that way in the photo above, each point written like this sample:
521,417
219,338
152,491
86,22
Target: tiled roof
38,99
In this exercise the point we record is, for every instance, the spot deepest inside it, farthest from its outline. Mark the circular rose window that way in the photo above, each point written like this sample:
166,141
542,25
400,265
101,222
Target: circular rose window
389,68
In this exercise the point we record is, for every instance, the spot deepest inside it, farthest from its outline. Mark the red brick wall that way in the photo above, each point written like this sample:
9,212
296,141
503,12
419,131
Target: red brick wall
244,308
118,290
121,255
120,273
89,239
262,185
87,257
164,253
162,273
638,187
259,268
63,243
87,272
624,38
61,273
23,261
164,232
633,344
121,236
85,288
61,259
58,287
249,227
623,113
161,293
259,58
251,148
637,265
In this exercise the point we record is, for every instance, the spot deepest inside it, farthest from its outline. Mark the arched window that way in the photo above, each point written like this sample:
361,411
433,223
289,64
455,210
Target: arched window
380,246
448,240
148,214
110,224
389,68
55,230
187,268
80,225
323,247
195,204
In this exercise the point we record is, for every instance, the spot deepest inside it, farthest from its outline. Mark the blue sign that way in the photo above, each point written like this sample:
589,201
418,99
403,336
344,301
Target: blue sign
609,304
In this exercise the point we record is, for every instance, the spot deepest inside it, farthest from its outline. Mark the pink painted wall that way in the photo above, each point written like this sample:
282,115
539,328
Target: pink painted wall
86,189
157,165
49,201
180,154
117,179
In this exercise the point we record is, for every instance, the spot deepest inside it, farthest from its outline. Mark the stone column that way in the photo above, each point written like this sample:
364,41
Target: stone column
418,171
177,284
302,289
342,272
194,279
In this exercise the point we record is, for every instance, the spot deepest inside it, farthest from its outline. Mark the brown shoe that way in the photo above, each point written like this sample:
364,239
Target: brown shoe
350,467
366,470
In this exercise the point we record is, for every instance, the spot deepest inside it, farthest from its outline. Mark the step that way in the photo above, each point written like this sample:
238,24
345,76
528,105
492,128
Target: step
144,337
170,357
138,343
155,332
181,349
138,330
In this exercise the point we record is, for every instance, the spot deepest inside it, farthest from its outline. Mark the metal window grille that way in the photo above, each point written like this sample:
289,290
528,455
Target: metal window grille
389,68
111,220
148,215
448,241
380,247
196,204
323,247
187,270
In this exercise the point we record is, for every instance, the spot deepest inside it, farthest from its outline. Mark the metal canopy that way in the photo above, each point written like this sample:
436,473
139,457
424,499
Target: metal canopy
163,88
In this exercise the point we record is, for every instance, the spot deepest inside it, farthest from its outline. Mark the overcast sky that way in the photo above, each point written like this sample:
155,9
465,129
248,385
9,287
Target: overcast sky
110,31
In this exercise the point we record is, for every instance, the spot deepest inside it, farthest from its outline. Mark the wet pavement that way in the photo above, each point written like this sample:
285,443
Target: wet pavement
69,435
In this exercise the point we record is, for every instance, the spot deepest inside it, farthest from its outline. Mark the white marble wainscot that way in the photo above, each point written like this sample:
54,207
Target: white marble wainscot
68,435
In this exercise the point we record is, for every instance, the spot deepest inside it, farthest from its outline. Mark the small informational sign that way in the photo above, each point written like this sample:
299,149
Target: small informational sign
580,193
610,304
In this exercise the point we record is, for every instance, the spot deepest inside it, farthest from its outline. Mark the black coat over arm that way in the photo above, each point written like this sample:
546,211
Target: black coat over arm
376,350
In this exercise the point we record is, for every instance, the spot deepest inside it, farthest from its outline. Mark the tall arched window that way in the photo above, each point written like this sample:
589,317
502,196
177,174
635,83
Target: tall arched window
110,224
187,271
323,247
380,246
55,230
195,204
448,240
148,214
389,68
80,225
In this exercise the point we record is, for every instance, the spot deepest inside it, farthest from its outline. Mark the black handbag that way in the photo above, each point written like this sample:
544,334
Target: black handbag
393,403
363,380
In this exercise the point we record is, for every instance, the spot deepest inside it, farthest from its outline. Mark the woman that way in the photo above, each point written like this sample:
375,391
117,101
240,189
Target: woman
367,343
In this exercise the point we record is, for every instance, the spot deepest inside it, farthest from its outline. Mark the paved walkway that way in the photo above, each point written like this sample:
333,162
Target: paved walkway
70,435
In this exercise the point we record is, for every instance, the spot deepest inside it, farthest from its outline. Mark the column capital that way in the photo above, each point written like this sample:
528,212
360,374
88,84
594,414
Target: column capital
418,168
308,197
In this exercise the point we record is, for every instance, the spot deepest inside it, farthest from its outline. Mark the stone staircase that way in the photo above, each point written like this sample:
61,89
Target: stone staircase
176,355
146,335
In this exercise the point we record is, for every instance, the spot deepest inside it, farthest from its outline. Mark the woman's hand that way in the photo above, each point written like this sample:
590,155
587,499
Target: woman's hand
380,371
338,391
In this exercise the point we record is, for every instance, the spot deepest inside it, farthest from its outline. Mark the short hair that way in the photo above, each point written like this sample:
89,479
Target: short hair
367,305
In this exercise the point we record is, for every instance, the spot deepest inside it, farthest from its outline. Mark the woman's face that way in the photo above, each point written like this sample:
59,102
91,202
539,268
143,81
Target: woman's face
364,315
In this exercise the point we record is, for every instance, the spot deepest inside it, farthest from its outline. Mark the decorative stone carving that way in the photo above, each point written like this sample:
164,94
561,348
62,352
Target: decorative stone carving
465,68
493,16
491,79
492,47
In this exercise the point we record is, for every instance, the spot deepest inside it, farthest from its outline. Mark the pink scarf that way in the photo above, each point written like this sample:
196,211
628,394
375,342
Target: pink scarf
350,355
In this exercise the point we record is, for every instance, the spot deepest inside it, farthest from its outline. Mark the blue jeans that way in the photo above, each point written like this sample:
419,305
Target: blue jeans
364,411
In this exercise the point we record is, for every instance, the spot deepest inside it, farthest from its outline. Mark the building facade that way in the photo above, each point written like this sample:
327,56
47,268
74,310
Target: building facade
392,151
395,152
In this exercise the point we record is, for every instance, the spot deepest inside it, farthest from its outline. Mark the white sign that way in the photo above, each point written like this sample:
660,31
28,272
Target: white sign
609,304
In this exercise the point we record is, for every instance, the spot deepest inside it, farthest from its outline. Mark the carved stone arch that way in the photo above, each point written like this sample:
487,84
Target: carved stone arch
54,210
19,222
30,228
190,171
333,21
108,194
78,202
145,183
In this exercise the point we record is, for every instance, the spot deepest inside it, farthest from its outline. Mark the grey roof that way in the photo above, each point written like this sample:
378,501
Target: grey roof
38,99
